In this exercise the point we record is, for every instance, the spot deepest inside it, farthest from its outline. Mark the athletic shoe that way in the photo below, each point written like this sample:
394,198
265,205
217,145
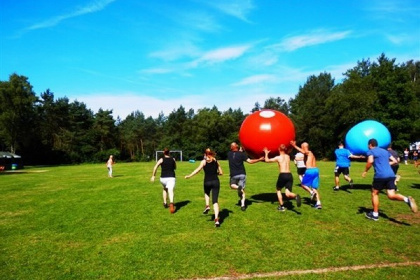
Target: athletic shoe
298,201
351,183
206,210
371,216
412,204
243,208
318,206
216,223
165,205
281,208
336,188
171,208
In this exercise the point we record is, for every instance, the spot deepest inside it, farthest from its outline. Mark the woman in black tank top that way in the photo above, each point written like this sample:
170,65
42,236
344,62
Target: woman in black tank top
167,178
212,170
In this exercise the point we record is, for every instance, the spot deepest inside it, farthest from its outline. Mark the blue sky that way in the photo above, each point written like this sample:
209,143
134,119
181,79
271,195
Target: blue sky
154,56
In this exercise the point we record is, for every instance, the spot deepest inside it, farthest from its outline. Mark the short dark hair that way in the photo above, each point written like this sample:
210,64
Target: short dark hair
373,142
166,151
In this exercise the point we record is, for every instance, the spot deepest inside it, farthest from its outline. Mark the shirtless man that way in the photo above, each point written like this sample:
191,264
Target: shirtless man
285,178
310,181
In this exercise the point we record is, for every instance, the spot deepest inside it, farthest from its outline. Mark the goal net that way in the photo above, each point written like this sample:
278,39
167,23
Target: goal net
177,154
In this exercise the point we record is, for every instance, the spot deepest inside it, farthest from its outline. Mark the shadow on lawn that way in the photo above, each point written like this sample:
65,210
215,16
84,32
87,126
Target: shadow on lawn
223,214
363,210
179,205
272,198
415,186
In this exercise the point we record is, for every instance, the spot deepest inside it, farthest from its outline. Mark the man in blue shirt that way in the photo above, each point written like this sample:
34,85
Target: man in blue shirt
342,165
384,178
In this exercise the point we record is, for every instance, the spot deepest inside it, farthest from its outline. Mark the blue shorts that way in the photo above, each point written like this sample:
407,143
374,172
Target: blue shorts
311,178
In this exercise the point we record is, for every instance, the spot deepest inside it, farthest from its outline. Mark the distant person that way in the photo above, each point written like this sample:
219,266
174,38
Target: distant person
310,181
406,154
167,178
285,178
415,157
342,165
236,160
300,165
383,179
109,165
395,166
212,170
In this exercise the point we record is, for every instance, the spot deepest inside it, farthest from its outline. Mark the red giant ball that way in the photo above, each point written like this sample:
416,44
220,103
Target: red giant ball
266,128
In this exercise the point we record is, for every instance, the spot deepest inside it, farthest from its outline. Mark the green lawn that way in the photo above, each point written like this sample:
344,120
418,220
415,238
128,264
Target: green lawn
73,222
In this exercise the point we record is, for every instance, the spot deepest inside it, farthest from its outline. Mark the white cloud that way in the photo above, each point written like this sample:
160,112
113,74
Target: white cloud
221,55
92,7
316,37
256,79
236,8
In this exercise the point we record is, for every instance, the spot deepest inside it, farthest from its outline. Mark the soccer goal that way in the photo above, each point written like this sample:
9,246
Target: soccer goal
179,157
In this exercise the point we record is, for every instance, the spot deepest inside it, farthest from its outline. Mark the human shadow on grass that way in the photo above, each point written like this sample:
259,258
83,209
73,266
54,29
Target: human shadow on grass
223,214
179,205
415,186
272,198
356,187
363,210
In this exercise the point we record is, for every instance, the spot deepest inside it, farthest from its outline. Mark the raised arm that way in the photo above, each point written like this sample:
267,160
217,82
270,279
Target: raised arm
198,169
266,159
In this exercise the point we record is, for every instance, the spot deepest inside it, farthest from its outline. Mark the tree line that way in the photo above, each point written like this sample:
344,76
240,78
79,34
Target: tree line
48,130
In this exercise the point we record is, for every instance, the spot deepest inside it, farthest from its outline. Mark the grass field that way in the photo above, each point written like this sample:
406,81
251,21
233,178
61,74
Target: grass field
72,222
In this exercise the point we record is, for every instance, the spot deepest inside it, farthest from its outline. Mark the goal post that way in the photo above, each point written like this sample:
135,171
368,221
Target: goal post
175,151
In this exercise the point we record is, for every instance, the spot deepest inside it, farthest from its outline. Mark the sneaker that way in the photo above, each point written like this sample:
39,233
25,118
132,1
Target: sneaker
351,183
298,201
206,210
281,208
412,204
318,206
243,208
336,188
171,208
165,205
216,223
371,216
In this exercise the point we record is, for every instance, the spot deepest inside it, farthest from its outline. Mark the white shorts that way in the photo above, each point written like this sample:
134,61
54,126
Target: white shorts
168,182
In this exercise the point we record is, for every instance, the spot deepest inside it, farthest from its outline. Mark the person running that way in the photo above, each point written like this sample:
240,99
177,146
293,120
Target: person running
167,178
310,181
236,160
300,165
109,165
384,178
285,178
211,169
342,165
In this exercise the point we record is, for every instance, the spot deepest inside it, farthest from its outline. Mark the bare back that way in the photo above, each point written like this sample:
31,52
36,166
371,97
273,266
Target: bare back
283,161
311,161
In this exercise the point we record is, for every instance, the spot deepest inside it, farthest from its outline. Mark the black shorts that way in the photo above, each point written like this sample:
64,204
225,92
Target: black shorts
384,183
213,187
301,170
395,168
338,170
285,180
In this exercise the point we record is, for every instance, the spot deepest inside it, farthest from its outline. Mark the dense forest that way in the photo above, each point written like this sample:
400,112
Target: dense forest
46,130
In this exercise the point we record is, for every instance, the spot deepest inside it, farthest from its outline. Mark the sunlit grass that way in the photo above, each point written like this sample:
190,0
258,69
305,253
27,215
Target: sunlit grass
72,222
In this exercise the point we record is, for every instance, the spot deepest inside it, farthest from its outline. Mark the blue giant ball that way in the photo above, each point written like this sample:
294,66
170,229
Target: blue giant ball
358,136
